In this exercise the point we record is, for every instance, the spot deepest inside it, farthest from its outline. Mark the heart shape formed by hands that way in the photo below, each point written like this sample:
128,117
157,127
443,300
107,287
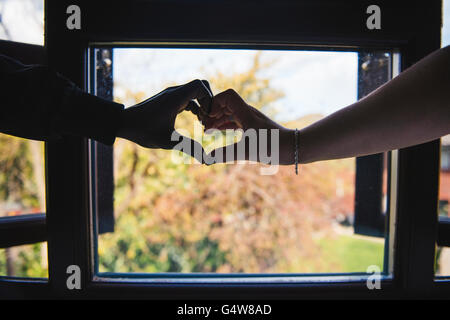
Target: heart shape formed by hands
230,111
151,123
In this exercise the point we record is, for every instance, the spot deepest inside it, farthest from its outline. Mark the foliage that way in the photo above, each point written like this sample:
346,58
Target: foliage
221,218
21,192
16,172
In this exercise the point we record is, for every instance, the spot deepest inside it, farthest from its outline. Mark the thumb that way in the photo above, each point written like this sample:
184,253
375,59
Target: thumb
234,152
187,145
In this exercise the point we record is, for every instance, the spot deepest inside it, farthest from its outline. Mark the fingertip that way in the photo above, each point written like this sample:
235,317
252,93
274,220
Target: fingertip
206,84
216,112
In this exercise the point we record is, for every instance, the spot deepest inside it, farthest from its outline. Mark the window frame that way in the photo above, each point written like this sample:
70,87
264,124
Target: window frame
388,218
26,228
335,25
23,229
30,228
370,218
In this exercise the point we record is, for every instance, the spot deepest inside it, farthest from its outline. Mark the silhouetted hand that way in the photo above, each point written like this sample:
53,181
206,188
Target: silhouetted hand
230,111
151,122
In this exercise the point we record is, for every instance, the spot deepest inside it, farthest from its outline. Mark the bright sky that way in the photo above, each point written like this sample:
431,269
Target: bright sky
313,82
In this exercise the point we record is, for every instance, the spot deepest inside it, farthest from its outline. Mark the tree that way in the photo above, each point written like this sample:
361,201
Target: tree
221,218
22,189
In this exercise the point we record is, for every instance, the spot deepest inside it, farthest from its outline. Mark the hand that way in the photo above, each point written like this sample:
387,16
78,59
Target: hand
151,123
230,111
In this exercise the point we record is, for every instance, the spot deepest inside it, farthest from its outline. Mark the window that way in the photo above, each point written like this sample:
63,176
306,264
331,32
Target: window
22,183
74,166
22,21
160,226
443,240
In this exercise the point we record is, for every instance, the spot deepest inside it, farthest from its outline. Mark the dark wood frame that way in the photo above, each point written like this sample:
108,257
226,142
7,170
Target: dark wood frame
314,24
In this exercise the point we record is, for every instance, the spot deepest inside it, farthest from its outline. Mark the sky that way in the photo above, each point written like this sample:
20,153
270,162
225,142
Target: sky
24,20
313,82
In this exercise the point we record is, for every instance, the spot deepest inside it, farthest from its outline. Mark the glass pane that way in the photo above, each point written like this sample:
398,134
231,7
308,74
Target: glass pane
229,218
22,182
29,261
22,176
443,253
443,261
22,187
22,21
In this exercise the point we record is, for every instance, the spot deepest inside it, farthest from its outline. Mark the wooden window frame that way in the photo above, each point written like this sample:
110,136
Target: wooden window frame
26,228
309,24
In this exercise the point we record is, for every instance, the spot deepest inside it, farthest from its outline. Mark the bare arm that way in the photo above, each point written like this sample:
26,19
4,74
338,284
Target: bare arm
412,108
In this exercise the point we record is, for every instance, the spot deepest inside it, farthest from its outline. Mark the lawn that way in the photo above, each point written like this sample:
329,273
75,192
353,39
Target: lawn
345,253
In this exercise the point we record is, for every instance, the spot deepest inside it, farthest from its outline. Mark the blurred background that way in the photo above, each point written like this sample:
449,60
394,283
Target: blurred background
229,218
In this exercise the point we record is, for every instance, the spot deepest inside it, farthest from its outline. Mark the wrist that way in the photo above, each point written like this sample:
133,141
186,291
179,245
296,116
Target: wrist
305,147
287,146
123,127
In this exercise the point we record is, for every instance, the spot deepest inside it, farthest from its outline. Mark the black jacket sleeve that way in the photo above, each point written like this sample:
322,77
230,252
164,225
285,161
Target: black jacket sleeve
38,103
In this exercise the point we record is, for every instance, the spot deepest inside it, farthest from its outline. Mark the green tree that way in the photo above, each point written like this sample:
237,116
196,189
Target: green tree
221,218
162,221
22,190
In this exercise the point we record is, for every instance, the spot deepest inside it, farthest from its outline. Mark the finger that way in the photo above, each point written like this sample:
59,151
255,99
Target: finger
216,111
208,123
222,126
229,102
197,110
230,153
206,84
195,89
219,113
165,91
229,126
187,146
206,103
193,107
225,122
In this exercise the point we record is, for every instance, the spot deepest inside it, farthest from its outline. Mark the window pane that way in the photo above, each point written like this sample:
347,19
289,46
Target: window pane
229,218
22,21
443,261
22,181
443,253
29,261
22,188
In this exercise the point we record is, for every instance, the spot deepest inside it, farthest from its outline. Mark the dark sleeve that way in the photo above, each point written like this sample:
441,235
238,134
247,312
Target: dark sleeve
38,103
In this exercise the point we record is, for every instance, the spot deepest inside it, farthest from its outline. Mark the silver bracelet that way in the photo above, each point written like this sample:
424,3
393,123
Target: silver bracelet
296,151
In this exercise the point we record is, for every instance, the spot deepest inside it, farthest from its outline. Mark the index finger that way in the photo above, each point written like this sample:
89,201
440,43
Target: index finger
230,153
229,102
187,145
195,89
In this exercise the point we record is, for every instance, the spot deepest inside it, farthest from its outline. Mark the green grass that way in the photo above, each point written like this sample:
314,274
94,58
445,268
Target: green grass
351,254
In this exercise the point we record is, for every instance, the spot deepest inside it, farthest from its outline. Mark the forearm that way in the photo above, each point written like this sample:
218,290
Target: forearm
411,109
37,103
